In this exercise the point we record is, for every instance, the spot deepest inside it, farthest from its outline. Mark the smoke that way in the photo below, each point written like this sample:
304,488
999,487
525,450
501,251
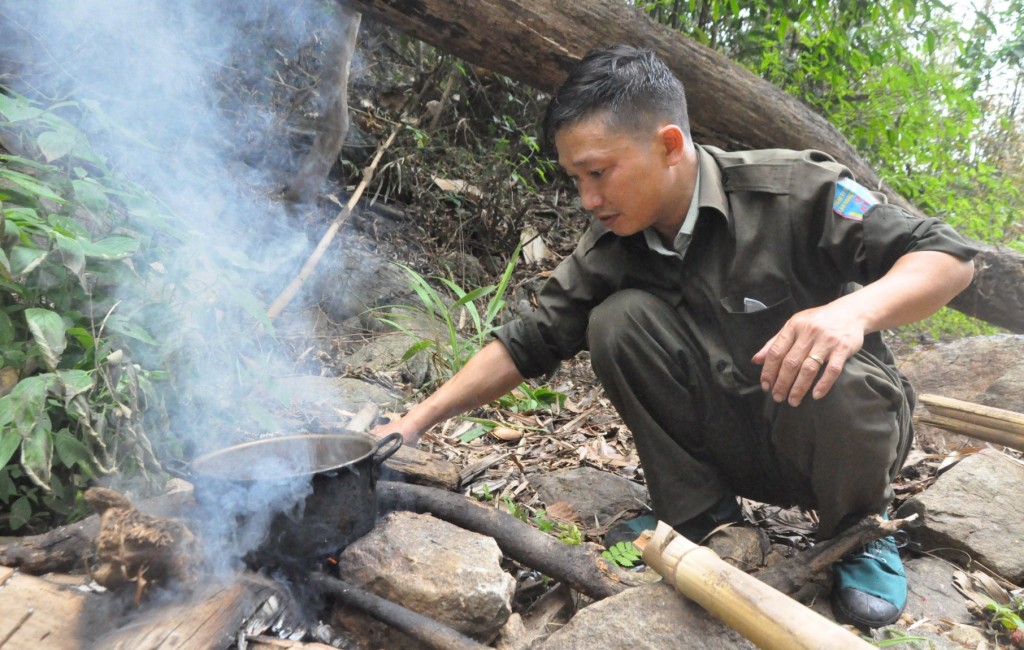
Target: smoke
185,99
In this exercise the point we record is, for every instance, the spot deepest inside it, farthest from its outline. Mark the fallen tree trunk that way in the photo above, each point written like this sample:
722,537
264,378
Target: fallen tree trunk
729,106
581,567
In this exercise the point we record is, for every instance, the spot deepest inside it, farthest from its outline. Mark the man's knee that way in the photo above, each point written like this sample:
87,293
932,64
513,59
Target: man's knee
621,317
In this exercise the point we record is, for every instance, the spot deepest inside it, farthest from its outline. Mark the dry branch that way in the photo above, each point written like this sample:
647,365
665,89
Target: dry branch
422,628
789,575
986,423
581,567
289,292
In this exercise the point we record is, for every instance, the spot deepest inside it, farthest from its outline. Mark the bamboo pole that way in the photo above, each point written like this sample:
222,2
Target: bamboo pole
986,423
767,617
293,287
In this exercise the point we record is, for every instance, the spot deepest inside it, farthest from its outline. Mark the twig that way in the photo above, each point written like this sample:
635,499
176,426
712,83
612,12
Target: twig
293,287
793,573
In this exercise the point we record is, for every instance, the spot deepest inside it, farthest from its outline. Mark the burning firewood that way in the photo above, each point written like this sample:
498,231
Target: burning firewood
133,547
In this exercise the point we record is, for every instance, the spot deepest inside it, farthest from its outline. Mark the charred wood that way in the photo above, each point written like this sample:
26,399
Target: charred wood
422,628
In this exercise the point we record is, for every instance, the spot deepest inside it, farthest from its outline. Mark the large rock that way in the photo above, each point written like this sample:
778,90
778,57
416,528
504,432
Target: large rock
653,616
592,493
975,507
432,567
983,369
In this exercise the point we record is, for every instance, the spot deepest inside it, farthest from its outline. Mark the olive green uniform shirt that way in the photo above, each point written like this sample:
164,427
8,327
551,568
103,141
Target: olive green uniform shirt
766,244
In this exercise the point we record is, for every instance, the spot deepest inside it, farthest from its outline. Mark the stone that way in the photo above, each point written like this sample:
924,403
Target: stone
975,507
653,616
384,353
313,394
744,547
980,369
595,495
932,595
432,567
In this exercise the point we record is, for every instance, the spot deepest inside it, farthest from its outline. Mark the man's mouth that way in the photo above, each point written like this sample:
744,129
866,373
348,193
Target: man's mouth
607,217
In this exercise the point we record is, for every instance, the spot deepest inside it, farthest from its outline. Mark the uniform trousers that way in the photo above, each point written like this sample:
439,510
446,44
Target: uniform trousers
699,442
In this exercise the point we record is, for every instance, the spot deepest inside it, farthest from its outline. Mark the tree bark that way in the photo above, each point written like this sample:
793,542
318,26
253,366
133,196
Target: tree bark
540,41
333,124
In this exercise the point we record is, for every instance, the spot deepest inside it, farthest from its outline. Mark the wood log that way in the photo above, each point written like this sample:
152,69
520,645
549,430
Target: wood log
422,628
765,616
211,618
423,468
581,567
987,423
729,106
66,549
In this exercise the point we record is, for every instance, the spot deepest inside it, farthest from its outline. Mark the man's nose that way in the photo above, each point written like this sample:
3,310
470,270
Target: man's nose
590,197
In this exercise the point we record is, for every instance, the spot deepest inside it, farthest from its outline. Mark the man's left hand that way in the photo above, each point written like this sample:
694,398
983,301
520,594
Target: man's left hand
810,350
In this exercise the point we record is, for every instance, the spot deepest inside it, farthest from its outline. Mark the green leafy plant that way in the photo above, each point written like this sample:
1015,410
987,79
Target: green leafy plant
896,637
464,327
72,399
623,554
525,399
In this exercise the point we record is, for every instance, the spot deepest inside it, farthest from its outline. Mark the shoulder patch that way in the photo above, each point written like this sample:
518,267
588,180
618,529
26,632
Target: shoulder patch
852,200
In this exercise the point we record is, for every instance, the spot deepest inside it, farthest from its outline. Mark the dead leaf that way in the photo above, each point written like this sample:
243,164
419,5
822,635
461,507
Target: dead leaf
562,511
534,248
507,434
457,186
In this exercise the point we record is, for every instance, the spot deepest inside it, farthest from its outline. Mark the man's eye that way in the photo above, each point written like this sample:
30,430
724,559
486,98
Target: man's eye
595,173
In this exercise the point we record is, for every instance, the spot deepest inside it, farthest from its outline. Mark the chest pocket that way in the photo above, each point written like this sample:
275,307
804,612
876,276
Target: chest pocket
749,319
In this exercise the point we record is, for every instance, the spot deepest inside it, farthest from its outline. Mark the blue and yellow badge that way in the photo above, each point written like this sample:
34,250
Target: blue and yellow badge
852,200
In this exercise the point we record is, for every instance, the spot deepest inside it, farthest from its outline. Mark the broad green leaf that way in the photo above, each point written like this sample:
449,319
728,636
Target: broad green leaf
55,144
7,332
83,336
4,262
16,109
71,451
10,439
21,512
30,184
74,382
125,327
90,194
73,256
47,329
28,402
111,248
24,260
37,453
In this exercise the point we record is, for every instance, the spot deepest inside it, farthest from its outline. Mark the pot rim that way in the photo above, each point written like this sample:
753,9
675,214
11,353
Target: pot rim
201,465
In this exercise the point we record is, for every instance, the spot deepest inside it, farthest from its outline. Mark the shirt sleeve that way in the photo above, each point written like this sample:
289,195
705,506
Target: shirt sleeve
540,340
863,246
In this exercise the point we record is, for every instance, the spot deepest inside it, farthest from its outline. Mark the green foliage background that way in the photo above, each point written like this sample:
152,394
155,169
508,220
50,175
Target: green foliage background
927,92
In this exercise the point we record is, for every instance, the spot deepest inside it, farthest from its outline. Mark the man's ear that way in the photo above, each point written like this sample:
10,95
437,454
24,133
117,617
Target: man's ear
673,140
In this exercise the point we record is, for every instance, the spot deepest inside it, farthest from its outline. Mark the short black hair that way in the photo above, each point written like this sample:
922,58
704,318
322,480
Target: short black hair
631,86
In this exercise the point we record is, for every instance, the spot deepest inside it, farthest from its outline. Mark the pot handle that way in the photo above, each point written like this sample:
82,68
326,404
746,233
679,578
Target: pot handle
179,469
393,439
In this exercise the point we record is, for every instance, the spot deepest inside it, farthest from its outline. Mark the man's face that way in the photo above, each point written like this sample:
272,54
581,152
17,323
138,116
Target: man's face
622,177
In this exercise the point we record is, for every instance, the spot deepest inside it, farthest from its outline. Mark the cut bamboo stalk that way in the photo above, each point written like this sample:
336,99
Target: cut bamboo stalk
767,617
977,431
986,423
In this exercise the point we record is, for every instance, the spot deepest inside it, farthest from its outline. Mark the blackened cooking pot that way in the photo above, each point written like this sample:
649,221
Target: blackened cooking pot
315,490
